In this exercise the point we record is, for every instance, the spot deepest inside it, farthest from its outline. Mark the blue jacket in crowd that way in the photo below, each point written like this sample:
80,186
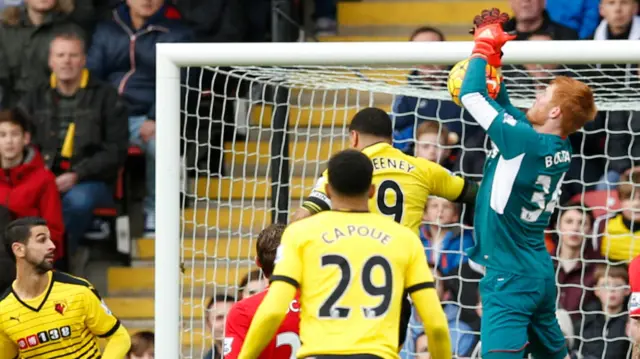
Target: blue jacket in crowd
127,58
580,15
452,253
462,338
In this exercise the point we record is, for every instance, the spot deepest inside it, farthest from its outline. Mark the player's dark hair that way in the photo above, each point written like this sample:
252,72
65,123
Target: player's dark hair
219,298
141,342
372,121
267,245
350,173
19,231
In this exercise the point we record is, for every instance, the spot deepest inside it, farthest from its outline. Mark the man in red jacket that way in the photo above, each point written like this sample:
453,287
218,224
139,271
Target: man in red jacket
27,188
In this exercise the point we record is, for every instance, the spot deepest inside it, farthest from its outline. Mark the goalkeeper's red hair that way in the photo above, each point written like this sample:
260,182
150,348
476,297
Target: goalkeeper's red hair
576,102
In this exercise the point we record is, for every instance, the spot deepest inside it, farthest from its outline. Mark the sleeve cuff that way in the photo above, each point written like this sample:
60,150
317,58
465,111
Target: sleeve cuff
111,331
285,279
420,286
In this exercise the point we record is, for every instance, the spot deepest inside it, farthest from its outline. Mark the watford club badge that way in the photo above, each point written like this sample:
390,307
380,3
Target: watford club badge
60,307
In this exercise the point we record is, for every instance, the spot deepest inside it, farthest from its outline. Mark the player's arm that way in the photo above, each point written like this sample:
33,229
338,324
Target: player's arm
443,183
235,330
421,287
508,134
8,349
285,282
316,202
504,101
103,324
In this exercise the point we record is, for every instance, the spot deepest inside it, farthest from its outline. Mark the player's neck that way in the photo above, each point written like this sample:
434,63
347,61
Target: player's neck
368,141
30,283
549,128
350,204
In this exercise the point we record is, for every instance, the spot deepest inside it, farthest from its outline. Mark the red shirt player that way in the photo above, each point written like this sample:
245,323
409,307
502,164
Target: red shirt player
286,342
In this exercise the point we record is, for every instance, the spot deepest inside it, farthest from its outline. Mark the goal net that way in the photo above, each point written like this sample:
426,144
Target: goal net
254,139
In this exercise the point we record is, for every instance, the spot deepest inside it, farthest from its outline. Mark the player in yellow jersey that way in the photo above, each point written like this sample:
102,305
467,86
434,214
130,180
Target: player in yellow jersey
403,182
49,314
351,268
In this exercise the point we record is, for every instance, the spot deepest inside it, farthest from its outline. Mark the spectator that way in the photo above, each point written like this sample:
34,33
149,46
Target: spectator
409,112
580,15
621,240
25,34
422,347
443,237
225,20
142,345
81,130
619,23
252,283
27,187
216,314
574,272
433,142
462,338
123,53
603,330
531,17
325,15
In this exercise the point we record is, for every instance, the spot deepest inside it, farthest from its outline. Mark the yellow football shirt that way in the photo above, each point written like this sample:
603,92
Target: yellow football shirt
64,322
352,269
403,185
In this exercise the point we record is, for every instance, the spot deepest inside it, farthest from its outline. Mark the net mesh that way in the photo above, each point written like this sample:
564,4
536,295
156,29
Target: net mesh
229,128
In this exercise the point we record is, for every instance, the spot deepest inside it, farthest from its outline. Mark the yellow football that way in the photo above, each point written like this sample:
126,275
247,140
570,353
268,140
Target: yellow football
456,75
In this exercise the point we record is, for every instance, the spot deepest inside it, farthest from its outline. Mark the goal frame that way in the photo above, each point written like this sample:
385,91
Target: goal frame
170,58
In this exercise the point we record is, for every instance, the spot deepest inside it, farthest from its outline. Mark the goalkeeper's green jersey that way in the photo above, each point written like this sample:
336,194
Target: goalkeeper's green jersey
521,184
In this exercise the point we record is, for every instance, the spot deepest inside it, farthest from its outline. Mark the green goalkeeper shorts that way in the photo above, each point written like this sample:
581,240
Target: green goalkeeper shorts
518,316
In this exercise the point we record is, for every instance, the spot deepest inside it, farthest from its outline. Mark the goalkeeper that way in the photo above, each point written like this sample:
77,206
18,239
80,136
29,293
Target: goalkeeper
520,188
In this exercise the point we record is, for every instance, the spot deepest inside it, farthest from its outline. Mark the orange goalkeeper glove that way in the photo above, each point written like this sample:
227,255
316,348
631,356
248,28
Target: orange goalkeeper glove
489,36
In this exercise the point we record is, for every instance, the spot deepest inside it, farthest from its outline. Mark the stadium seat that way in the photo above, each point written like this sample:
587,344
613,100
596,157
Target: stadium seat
117,216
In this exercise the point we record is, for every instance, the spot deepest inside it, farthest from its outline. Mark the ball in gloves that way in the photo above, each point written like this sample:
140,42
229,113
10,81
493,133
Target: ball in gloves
456,76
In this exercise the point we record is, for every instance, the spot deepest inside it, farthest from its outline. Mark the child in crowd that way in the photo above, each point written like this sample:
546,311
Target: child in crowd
621,240
443,236
422,347
142,344
461,333
603,329
252,283
434,141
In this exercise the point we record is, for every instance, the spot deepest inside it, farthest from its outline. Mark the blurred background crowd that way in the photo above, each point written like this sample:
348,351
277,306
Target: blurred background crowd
77,147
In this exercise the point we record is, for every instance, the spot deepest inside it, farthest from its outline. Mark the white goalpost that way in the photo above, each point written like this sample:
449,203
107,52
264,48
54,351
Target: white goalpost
204,237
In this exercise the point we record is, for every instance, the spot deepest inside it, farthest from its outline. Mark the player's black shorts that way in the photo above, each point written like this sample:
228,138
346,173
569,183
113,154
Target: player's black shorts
352,356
